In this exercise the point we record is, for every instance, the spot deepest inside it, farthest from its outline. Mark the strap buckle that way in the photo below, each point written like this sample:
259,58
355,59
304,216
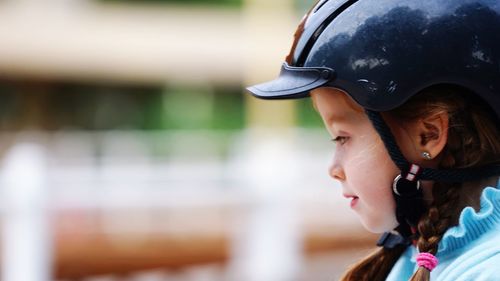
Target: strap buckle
407,185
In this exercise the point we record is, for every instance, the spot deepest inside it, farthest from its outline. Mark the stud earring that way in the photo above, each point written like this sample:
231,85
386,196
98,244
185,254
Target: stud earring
426,155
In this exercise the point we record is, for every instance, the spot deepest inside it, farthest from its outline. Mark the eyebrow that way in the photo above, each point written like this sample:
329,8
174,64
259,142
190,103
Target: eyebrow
333,118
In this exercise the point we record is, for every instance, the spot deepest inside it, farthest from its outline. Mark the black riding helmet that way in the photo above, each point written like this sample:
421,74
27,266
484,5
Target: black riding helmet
382,52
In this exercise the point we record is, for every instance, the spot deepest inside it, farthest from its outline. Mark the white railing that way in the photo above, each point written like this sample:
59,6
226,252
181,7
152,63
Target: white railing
277,180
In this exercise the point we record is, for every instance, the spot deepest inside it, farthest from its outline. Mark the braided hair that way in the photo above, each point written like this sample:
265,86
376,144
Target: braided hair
472,142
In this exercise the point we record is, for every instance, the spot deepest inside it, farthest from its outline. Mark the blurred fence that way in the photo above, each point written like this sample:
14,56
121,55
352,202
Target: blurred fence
118,208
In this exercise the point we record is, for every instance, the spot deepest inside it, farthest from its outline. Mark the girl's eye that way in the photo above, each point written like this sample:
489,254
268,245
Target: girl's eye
340,140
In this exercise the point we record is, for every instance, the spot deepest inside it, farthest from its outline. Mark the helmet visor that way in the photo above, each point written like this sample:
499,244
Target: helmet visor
293,82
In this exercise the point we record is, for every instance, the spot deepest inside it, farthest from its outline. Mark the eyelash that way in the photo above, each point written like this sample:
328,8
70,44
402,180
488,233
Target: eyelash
340,140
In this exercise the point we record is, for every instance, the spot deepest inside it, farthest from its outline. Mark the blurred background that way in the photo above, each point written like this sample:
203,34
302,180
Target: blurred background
129,150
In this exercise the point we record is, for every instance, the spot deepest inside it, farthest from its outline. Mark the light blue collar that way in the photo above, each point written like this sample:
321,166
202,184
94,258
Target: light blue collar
473,224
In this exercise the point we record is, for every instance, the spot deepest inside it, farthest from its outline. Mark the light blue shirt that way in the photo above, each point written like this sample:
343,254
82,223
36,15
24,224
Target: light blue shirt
469,251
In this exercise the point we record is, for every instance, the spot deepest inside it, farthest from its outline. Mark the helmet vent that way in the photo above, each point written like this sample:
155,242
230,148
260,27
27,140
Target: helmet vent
303,56
319,5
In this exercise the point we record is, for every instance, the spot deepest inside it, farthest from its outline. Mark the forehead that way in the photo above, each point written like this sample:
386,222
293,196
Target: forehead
335,105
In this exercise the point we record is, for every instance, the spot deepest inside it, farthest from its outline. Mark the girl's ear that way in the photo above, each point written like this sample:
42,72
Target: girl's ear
432,134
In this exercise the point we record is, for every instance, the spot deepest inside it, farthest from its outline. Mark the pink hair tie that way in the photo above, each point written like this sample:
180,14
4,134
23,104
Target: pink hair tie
427,260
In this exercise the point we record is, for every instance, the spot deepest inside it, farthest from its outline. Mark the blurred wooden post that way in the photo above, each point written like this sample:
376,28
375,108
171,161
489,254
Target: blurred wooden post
26,239
269,244
269,29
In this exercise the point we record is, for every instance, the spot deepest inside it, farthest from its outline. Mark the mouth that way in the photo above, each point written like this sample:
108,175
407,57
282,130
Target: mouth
354,199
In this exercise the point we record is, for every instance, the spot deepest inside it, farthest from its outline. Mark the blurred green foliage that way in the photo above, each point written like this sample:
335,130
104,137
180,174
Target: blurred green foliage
8,105
75,106
203,108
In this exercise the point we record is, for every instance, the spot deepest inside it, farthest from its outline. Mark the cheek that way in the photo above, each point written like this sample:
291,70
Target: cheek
377,206
370,174
379,220
373,186
369,162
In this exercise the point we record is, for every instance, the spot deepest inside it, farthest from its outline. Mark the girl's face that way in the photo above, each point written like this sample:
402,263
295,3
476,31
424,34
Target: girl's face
360,162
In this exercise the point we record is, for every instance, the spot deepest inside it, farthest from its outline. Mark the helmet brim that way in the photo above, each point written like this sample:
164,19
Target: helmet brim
293,82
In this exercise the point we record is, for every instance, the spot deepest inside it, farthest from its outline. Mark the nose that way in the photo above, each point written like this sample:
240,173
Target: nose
336,172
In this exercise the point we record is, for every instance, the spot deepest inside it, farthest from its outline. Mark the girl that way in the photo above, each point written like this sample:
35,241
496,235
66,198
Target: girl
410,93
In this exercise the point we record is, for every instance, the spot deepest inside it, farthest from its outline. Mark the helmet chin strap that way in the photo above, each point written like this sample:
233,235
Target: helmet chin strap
406,188
410,206
408,195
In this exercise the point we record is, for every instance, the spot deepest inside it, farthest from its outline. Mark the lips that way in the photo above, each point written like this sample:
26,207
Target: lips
354,199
